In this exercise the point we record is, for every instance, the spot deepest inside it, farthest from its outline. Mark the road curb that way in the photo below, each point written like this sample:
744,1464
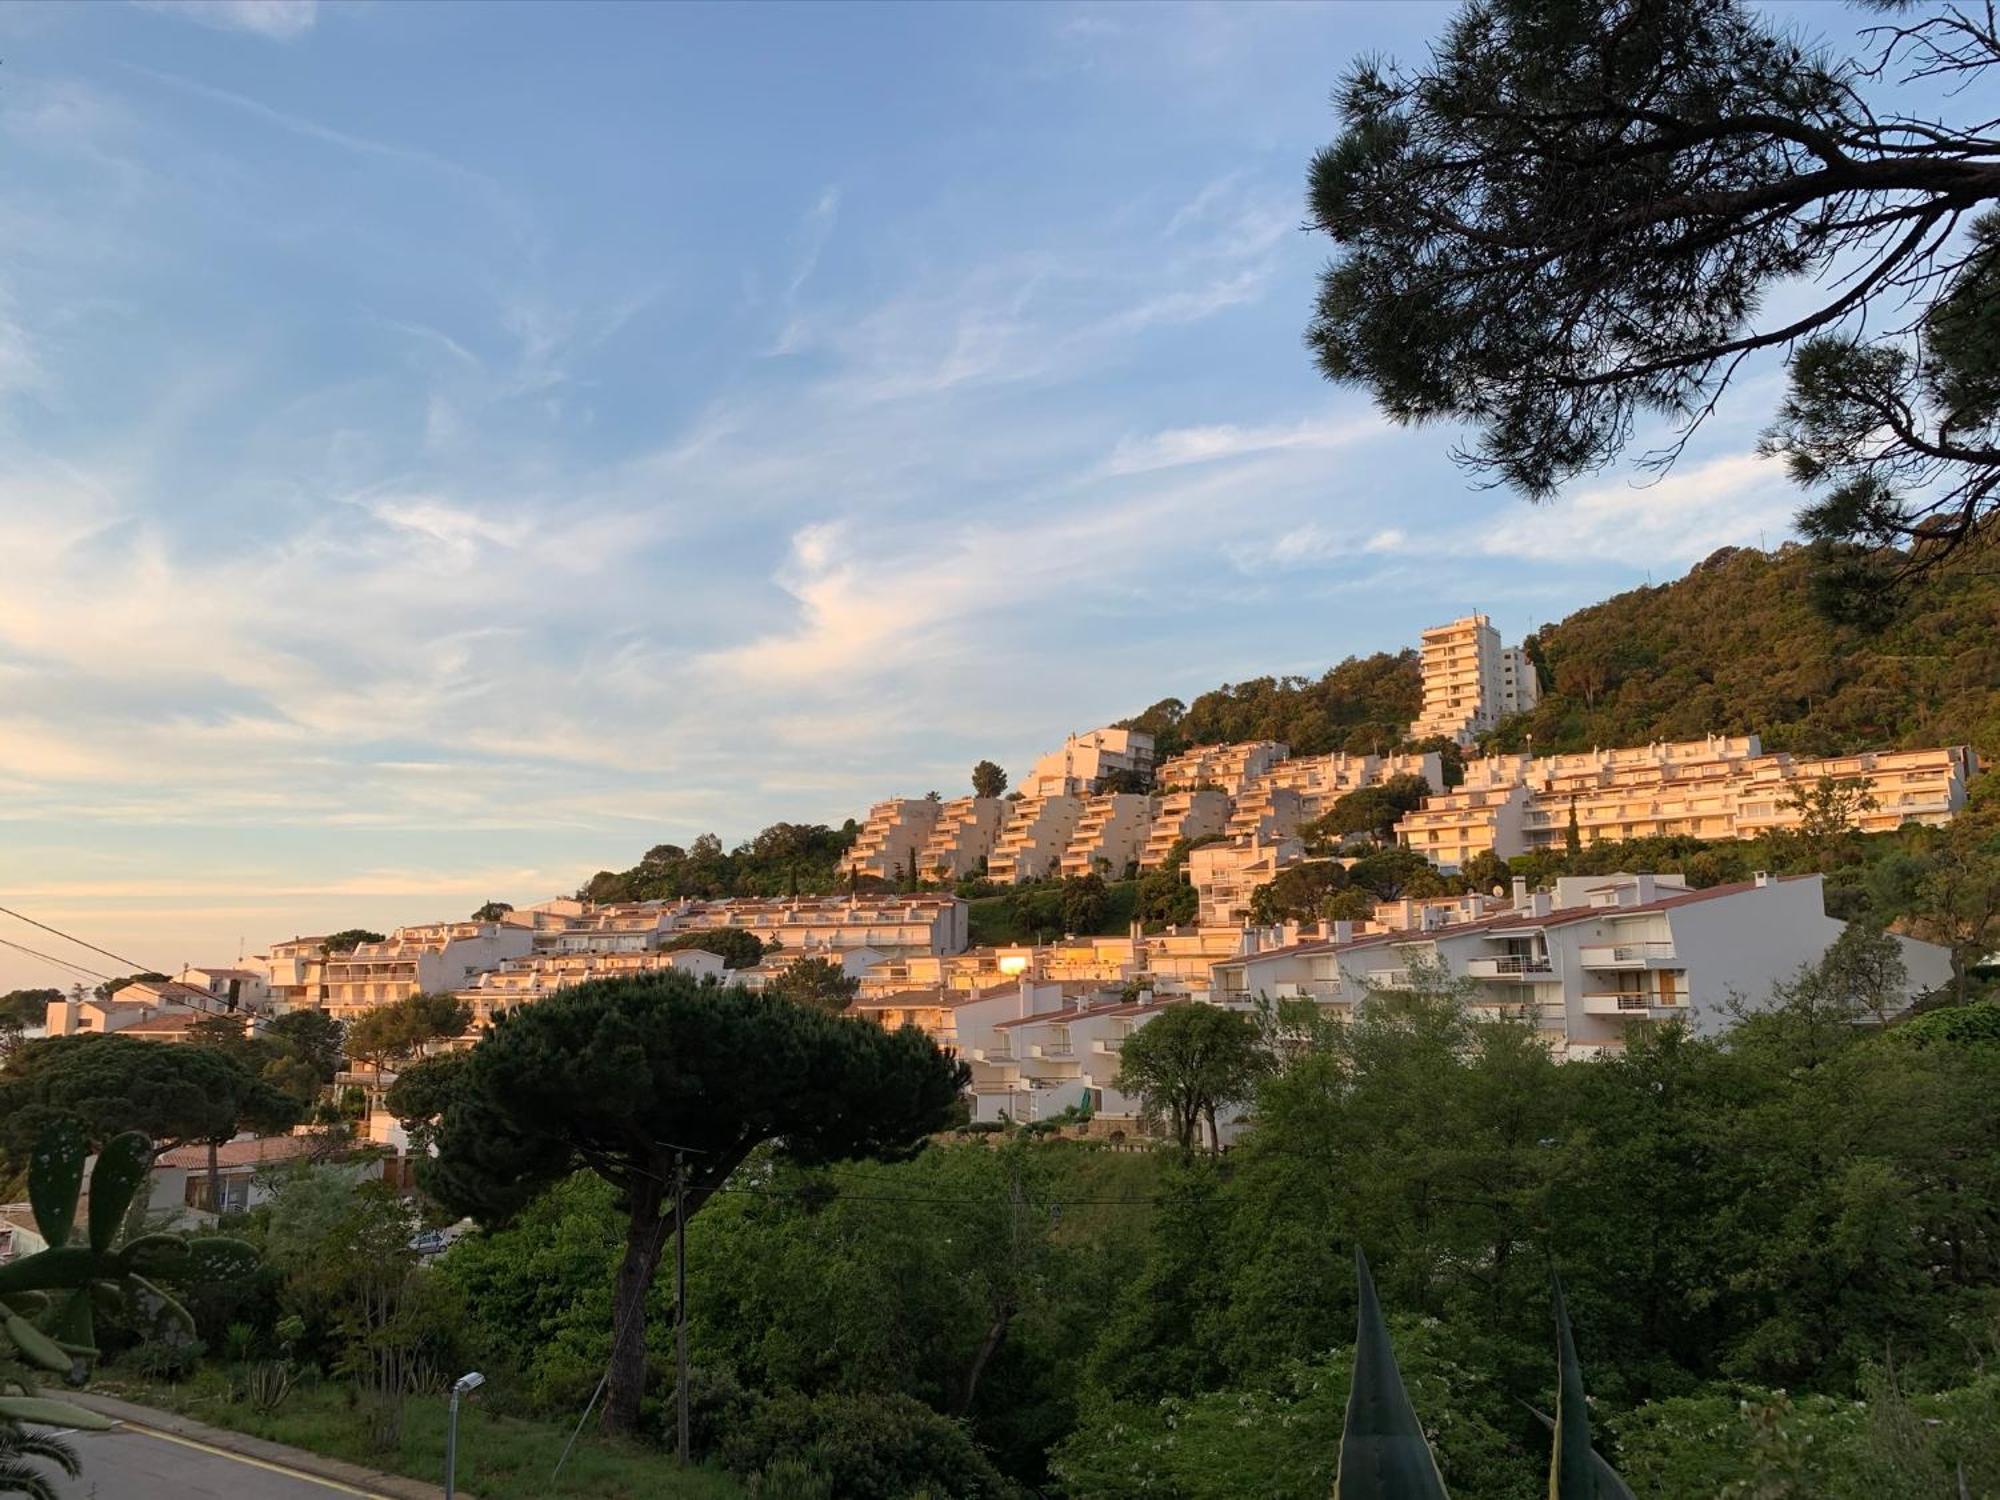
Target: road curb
314,1465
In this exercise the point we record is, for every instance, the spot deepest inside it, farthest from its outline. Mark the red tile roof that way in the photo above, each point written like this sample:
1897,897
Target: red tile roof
251,1153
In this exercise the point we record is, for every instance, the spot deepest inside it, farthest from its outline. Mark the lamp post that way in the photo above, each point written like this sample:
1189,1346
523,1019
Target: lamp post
464,1385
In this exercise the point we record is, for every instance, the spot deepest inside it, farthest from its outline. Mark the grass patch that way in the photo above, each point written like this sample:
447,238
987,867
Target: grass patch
499,1458
1006,920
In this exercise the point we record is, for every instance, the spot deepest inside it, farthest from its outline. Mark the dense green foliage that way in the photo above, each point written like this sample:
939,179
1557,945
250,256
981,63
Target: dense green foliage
406,1028
664,1087
1736,648
786,859
1733,647
112,1084
737,947
1363,705
27,1007
1042,910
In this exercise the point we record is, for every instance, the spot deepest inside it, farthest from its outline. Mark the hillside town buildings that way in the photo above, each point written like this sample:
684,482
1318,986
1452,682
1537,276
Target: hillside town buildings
1471,681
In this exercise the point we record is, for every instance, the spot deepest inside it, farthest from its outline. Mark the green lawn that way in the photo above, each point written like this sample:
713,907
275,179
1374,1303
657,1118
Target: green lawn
499,1458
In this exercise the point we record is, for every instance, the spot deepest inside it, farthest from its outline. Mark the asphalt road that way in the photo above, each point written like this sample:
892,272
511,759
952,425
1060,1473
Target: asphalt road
132,1465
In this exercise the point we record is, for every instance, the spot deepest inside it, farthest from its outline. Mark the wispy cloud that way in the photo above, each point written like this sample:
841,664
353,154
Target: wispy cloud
280,20
1200,445
328,135
1739,500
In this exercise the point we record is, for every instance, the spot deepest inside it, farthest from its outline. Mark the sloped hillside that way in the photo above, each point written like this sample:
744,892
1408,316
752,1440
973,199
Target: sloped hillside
1362,706
1735,646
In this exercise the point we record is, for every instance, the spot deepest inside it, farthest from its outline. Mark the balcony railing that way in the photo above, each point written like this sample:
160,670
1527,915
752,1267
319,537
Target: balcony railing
1052,1049
1626,955
1509,966
1109,1045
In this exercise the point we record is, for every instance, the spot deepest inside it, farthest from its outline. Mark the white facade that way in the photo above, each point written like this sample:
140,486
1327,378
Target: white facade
1591,957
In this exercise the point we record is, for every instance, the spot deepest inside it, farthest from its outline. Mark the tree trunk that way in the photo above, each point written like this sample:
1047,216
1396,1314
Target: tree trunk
214,1182
645,1236
988,1347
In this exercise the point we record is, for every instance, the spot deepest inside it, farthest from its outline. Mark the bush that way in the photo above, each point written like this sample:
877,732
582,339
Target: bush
867,1447
169,1359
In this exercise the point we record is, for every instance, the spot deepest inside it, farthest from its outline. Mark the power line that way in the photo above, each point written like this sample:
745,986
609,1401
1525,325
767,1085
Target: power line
70,937
77,971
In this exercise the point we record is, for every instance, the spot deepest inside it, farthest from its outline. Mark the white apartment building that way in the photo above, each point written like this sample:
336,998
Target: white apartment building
1589,958
1229,767
1079,767
1721,787
961,842
294,973
433,958
1470,680
1036,836
892,836
1110,833
519,981
1226,876
1186,815
821,926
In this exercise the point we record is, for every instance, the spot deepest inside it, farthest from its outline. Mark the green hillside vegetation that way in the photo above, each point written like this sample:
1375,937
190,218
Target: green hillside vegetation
1733,647
1362,706
1736,647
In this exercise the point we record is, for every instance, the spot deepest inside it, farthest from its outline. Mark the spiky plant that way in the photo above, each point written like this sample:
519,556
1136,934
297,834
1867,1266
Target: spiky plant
49,1300
21,1451
1383,1452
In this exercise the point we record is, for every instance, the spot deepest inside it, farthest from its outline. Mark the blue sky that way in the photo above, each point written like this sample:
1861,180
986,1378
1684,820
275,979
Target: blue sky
445,450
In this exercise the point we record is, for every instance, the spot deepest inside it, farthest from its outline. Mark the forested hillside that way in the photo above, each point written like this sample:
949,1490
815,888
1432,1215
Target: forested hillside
1735,646
1362,706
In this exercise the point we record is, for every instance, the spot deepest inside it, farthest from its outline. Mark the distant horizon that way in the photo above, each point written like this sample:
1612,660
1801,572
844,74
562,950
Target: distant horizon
458,448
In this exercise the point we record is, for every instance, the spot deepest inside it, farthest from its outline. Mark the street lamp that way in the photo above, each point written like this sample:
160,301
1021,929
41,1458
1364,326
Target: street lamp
464,1385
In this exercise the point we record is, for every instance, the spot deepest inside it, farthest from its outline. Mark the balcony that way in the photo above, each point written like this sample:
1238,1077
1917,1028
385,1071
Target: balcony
1635,1007
1642,955
1108,1046
1528,966
1060,1050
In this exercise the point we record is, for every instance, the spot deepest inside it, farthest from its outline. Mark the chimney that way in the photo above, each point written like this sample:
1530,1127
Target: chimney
1762,878
1520,892
1540,904
1343,931
1643,890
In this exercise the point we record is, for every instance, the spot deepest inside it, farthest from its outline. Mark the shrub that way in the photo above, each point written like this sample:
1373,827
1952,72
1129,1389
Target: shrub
878,1447
170,1358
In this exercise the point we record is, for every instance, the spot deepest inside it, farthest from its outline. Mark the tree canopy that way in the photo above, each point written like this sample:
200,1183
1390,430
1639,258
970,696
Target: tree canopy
1189,1062
817,982
348,939
405,1028
988,780
737,947
1573,216
175,1095
643,1078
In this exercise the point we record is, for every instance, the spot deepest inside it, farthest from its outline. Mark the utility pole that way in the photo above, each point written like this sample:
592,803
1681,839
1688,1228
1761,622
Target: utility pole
681,1307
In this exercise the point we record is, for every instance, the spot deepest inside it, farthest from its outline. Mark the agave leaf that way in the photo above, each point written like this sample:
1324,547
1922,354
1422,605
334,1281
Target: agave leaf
1609,1485
44,1412
1383,1452
27,1304
73,1326
36,1347
47,1269
121,1169
1577,1471
55,1179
